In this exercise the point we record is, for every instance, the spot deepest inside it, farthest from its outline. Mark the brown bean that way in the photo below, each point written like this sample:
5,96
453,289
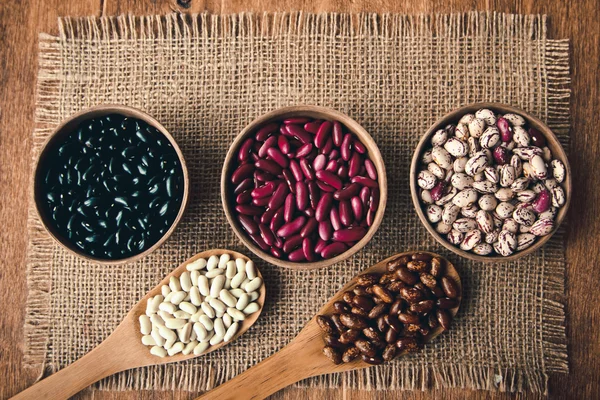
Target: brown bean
383,294
350,354
363,302
408,344
359,311
333,354
432,321
348,296
377,300
377,311
396,263
326,325
371,333
338,324
406,276
417,266
422,257
381,324
341,307
408,318
393,322
389,353
437,292
367,279
360,291
349,336
444,318
391,335
353,321
366,347
396,307
372,360
379,343
412,295
437,267
422,307
395,287
450,287
332,341
387,278
445,303
428,280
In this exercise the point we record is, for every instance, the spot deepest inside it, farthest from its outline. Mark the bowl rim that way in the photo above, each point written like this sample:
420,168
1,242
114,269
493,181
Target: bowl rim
92,112
314,112
455,115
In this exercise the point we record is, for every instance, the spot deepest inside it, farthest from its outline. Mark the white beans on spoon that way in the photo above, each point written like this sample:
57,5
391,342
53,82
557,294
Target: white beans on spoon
202,307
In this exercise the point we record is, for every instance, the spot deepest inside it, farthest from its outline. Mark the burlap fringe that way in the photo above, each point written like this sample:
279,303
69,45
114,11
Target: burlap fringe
382,27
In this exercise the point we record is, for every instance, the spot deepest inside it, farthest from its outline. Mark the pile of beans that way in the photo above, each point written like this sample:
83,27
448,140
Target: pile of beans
112,187
304,189
201,308
490,183
387,314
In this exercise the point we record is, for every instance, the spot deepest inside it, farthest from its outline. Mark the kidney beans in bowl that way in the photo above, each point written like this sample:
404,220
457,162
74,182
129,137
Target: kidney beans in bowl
304,187
110,184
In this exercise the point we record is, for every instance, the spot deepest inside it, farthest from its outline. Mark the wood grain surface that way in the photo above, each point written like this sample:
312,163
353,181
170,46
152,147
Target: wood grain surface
20,23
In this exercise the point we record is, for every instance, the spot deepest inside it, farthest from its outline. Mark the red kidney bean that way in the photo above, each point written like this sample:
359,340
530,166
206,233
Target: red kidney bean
365,181
337,135
277,220
267,216
261,201
342,172
309,212
262,176
245,149
370,217
324,206
248,224
299,133
289,180
325,187
289,208
325,230
242,172
302,200
247,209
283,144
244,197
329,178
350,234
314,194
319,162
357,207
270,142
278,242
279,196
354,165
309,228
323,134
345,211
260,242
268,166
332,166
370,169
346,147
320,245
347,192
333,249
264,191
278,157
374,199
292,243
365,195
296,170
359,147
243,186
334,218
313,127
328,147
267,234
297,255
278,253
308,249
263,133
304,150
307,169
334,155
292,227
296,120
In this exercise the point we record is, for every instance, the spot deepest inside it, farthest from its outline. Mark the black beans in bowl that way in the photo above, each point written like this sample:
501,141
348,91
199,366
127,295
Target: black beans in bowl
110,184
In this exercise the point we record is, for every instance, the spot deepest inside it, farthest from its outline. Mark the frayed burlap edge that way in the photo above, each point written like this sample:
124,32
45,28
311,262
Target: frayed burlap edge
175,26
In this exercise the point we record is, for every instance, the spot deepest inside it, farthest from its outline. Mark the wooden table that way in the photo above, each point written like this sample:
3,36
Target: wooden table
20,23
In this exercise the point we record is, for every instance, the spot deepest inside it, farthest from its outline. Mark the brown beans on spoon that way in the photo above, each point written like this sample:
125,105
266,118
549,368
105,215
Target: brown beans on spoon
311,169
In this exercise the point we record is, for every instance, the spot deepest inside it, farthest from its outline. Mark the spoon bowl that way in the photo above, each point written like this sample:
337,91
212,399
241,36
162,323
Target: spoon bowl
303,357
123,349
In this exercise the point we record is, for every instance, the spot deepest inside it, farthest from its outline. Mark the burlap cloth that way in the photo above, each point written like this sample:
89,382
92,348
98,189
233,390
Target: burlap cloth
205,77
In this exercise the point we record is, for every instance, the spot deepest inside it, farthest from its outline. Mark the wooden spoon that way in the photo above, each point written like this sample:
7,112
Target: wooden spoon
123,349
303,357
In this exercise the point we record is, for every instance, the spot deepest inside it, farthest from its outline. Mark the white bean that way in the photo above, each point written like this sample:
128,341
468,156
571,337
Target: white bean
200,331
223,260
169,297
231,331
153,304
167,333
227,284
186,332
174,323
177,297
203,285
243,301
237,280
200,348
250,270
227,320
208,310
240,265
253,285
148,340
145,325
237,292
236,314
194,275
196,265
251,308
168,307
195,297
215,272
219,327
165,290
188,307
158,351
187,350
174,284
212,263
209,336
157,320
186,281
159,340
164,315
227,298
207,322
216,339
218,305
231,269
216,286
196,317
176,348
254,296
180,314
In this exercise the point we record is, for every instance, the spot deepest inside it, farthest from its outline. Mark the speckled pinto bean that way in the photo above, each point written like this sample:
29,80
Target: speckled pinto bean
304,189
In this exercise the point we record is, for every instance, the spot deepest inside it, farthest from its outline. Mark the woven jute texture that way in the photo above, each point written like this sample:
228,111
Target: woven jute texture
205,77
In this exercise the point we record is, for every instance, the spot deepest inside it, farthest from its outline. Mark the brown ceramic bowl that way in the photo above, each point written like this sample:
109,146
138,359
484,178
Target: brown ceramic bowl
59,134
453,117
228,197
